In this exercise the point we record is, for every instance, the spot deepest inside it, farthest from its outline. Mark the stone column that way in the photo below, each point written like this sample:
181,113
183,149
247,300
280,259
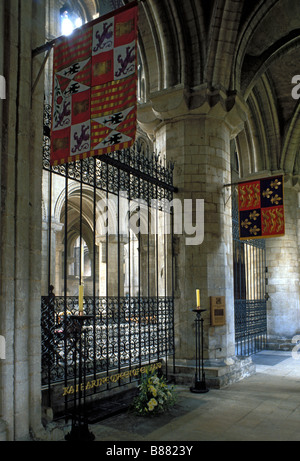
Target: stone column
199,143
96,255
283,275
200,148
55,263
113,269
20,250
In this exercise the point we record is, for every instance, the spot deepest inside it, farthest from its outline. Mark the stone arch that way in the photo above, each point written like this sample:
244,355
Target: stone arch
245,152
252,20
223,35
74,210
290,149
166,46
86,9
261,65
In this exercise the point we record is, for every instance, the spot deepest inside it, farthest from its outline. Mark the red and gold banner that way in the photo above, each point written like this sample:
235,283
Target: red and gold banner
95,88
261,209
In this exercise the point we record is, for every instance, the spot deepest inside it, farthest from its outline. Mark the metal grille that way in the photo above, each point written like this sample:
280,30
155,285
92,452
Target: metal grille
121,332
128,275
249,259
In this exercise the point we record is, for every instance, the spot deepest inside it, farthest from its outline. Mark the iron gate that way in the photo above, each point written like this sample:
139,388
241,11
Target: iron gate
105,224
249,262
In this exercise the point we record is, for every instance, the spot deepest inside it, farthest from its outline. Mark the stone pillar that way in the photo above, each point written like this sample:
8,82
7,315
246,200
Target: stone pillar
96,255
56,260
147,261
112,276
20,250
283,275
201,150
199,143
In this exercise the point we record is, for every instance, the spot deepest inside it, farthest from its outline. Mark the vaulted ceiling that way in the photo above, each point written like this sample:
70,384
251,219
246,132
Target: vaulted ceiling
248,47
270,61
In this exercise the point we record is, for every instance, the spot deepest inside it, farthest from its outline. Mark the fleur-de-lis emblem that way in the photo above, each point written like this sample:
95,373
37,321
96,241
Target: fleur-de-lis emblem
275,184
246,223
267,193
254,230
254,215
276,199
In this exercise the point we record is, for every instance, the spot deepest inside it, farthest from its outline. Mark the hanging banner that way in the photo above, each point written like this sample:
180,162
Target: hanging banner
261,209
95,88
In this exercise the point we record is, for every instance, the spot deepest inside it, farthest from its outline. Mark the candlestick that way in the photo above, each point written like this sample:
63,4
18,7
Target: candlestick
80,300
80,430
198,298
200,385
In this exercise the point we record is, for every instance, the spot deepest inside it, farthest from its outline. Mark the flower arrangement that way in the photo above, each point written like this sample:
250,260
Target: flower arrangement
155,396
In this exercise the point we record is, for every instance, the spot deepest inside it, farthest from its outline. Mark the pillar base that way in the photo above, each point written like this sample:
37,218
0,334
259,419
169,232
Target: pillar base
218,372
199,388
80,433
3,431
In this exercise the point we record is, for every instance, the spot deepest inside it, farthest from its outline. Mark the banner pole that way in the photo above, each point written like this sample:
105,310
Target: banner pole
41,70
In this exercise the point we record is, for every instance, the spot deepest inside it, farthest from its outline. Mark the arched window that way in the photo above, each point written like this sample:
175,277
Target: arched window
70,20
71,17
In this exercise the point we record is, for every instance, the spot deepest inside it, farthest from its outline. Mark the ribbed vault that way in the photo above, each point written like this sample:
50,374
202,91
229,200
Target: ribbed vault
266,60
250,48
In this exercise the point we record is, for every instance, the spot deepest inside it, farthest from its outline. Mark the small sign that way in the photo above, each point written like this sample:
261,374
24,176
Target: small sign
217,310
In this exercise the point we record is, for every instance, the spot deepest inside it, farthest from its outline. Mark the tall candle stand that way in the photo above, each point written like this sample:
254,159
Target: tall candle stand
79,430
200,385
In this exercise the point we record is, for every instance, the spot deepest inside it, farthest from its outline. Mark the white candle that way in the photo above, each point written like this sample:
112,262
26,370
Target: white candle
80,300
198,297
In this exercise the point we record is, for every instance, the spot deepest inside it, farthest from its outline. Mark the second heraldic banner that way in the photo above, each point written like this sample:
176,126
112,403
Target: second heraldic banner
261,208
95,88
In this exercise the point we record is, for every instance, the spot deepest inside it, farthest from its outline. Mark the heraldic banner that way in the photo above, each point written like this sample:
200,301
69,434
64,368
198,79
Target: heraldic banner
261,209
95,88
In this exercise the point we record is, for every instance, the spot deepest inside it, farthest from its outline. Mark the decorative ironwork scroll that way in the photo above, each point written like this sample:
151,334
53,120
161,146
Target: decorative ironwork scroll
121,333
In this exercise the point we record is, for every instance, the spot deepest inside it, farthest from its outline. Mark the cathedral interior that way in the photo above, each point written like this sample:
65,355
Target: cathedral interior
138,238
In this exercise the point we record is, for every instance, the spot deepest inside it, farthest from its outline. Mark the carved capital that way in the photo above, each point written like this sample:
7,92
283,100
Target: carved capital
292,181
178,102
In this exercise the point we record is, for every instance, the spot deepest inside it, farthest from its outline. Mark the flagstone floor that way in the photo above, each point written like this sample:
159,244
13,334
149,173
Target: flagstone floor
263,407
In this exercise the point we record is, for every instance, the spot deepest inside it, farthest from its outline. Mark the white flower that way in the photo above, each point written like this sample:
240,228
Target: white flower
151,404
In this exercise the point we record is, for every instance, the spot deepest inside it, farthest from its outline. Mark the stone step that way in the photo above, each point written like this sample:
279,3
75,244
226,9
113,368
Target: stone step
218,373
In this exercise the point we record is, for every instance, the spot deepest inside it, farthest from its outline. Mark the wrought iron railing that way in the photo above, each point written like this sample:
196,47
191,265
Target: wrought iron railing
250,308
250,326
121,333
143,174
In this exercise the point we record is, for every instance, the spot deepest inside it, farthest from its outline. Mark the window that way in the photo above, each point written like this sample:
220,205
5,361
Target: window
69,20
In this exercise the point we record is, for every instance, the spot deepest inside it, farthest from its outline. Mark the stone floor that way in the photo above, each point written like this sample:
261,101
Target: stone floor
263,407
